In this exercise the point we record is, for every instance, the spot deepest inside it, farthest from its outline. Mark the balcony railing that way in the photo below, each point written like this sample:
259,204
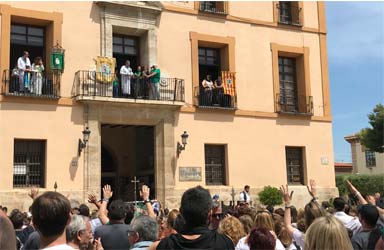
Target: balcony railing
215,7
290,15
223,97
31,84
301,105
97,84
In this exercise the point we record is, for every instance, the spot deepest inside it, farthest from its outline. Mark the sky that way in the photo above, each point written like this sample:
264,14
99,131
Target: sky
355,41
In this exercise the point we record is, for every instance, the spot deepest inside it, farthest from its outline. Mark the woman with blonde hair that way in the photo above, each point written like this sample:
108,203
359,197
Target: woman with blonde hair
327,233
232,227
264,219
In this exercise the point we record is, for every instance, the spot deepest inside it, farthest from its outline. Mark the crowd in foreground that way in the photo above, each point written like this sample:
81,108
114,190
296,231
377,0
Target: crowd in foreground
55,222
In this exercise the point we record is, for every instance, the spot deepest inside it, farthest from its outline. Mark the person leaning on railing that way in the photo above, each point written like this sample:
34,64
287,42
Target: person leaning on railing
207,86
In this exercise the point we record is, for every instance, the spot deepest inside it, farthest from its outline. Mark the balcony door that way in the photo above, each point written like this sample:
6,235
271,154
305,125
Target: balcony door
26,38
288,84
209,63
126,48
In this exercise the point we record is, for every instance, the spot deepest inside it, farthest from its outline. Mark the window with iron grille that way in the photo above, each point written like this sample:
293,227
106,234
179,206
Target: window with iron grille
370,158
216,7
294,161
288,84
289,12
215,164
29,163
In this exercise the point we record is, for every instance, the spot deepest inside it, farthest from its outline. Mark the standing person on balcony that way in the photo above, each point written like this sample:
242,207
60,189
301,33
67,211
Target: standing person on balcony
126,73
154,89
22,63
218,91
139,82
37,76
207,86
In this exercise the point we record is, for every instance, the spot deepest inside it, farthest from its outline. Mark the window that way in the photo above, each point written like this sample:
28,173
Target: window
29,163
288,84
289,12
215,164
209,63
294,161
216,7
26,38
126,48
370,158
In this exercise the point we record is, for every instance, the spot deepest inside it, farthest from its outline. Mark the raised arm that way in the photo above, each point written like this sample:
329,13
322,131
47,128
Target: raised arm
144,193
312,190
92,199
107,194
287,214
356,192
33,193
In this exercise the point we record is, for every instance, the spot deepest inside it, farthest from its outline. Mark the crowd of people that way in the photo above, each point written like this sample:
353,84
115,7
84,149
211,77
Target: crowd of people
27,78
201,222
144,83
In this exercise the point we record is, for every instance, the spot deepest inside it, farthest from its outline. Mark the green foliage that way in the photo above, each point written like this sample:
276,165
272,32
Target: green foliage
366,184
373,138
270,196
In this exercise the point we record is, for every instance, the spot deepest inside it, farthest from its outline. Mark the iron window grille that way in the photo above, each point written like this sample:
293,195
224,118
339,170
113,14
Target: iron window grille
215,164
370,158
289,12
215,7
294,161
29,163
288,84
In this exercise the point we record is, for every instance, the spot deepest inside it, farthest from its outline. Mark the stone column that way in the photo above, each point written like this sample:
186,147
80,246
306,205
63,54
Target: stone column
152,46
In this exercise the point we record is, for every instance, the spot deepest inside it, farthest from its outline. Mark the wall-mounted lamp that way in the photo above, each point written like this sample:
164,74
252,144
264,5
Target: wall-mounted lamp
83,143
181,147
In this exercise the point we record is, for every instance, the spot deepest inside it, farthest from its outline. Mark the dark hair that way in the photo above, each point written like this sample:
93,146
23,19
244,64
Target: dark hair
5,209
270,209
84,210
129,213
293,214
117,210
7,233
280,212
179,223
50,213
195,205
339,204
246,186
369,214
261,238
17,218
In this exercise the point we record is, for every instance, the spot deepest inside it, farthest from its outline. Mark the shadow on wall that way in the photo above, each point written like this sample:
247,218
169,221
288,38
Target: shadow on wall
95,13
73,166
77,114
29,106
214,117
286,121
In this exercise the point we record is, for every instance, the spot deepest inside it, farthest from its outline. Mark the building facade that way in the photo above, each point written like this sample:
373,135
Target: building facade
267,121
364,161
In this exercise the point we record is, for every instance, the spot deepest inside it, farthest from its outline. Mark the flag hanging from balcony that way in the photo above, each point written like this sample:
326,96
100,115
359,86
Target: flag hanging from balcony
228,82
105,69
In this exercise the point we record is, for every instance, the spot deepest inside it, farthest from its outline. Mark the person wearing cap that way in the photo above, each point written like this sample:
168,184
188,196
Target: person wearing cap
369,234
154,89
351,223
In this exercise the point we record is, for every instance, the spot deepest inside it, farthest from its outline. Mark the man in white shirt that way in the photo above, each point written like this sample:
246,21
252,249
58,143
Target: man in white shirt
244,196
22,64
351,223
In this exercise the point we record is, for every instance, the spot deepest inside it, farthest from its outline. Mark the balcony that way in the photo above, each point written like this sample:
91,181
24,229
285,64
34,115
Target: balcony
97,86
213,7
223,97
31,84
294,105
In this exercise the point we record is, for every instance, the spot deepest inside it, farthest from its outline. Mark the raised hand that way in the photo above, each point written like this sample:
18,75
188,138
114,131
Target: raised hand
144,192
351,187
33,193
312,188
286,195
97,244
92,198
107,192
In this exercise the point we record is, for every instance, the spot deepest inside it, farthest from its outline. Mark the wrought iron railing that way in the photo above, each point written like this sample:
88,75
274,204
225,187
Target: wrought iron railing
91,83
289,13
31,84
215,7
294,104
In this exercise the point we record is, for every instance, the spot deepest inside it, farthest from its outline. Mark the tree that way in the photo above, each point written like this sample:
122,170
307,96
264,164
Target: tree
270,196
372,138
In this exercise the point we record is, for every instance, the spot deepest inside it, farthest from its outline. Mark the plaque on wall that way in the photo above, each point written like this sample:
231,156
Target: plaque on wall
190,174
